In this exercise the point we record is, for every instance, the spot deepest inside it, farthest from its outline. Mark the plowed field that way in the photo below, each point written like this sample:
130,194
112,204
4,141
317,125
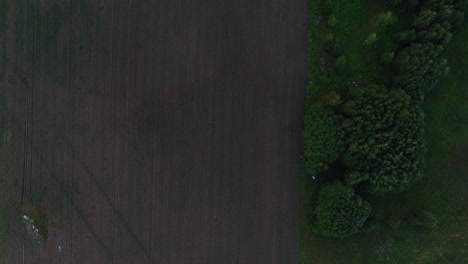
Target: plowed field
165,131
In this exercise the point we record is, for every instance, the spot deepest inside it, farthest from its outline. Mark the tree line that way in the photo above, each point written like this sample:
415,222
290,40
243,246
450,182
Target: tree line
376,130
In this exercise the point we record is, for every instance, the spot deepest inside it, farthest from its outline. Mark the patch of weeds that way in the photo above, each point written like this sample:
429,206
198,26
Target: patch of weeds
35,223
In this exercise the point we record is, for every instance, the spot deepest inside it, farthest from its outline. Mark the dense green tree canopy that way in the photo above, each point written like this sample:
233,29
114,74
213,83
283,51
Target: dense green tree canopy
384,138
339,211
418,63
323,138
424,18
419,66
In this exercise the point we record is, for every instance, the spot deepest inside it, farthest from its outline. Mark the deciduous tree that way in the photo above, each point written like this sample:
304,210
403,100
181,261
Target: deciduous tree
384,139
339,211
323,138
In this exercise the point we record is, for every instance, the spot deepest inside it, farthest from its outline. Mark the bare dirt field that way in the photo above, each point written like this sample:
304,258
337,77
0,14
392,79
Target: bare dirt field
163,131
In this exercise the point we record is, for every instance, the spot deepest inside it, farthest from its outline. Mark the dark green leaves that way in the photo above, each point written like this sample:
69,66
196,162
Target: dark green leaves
323,137
418,63
339,211
384,139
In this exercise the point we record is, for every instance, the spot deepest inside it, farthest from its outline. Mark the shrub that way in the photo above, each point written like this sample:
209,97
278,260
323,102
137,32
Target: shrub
332,21
329,38
423,219
339,211
387,57
371,39
332,47
323,138
340,63
385,19
330,98
353,178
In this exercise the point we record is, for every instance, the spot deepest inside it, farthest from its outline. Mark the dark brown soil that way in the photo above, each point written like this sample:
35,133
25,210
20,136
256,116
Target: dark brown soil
163,131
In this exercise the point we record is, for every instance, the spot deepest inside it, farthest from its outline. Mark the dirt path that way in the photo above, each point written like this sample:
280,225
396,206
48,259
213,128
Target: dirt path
157,131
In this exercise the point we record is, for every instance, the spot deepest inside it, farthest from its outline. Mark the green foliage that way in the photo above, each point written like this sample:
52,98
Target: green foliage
457,18
387,25
368,111
340,63
371,39
412,3
424,18
323,138
385,19
387,57
37,220
405,4
332,20
396,241
339,211
419,65
333,47
329,38
437,34
407,36
423,219
42,222
353,178
384,139
330,98
347,14
396,2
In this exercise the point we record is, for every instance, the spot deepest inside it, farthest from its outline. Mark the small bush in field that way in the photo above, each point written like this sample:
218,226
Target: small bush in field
423,219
